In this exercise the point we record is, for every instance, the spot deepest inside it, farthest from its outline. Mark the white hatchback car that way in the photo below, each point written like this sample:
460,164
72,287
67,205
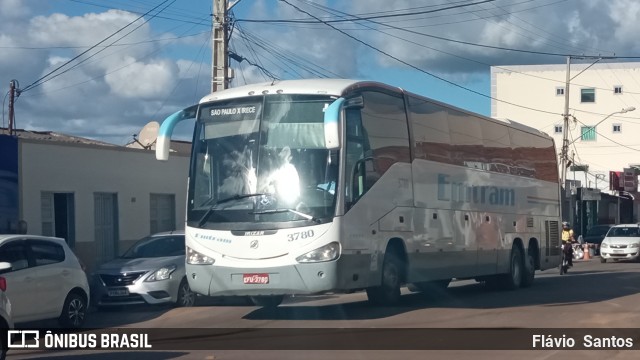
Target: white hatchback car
46,280
622,242
6,322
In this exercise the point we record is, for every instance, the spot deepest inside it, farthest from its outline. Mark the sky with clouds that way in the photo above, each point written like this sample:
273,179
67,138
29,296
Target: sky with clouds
159,64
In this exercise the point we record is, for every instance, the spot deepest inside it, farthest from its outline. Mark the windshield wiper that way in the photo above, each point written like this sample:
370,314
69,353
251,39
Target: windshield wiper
284,210
209,211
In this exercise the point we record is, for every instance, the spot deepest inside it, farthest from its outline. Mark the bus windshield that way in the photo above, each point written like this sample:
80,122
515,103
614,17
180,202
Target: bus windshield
257,158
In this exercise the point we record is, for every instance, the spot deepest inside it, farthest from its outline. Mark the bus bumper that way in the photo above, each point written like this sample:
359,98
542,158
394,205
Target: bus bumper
311,278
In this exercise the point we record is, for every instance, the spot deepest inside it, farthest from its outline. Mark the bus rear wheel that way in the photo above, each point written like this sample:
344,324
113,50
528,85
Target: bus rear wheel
271,301
529,272
388,292
511,280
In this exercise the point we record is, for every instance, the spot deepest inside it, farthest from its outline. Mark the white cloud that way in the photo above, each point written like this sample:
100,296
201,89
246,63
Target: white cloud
145,81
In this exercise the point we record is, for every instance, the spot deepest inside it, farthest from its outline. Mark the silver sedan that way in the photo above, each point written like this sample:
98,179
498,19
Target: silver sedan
152,271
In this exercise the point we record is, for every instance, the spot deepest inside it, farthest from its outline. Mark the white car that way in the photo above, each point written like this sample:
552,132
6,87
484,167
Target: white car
622,242
46,280
6,321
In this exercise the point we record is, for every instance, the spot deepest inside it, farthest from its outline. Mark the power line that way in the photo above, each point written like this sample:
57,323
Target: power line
117,69
194,19
417,68
357,18
613,141
386,16
40,80
112,45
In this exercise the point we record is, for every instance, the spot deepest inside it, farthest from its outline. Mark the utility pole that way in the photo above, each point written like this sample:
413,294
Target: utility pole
12,101
220,72
565,128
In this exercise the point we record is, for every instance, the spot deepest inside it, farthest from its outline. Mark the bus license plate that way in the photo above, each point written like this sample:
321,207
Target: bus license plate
119,292
255,278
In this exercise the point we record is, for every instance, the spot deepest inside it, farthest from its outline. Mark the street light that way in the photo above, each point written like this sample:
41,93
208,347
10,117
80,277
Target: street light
625,110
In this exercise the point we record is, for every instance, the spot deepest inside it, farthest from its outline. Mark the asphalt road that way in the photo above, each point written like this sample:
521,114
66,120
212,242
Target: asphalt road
592,296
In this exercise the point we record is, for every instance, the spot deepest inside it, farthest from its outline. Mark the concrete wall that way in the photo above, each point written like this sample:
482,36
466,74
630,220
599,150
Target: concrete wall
535,87
85,169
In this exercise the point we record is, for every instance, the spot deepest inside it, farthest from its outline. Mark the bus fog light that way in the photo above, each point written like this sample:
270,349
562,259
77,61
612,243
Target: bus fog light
196,258
328,252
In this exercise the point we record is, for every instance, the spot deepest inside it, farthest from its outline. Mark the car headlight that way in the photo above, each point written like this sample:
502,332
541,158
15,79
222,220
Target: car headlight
328,252
196,258
163,273
634,245
604,245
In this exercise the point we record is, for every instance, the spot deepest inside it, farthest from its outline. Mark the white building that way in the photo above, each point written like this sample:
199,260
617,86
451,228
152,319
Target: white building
601,135
598,139
99,197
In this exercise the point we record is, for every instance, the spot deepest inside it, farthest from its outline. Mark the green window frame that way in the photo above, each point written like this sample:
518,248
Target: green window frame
588,133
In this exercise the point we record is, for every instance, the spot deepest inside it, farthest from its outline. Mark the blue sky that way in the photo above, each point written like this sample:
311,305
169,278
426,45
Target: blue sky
164,65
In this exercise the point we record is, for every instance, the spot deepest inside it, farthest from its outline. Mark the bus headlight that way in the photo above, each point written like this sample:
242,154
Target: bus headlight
163,273
196,258
328,252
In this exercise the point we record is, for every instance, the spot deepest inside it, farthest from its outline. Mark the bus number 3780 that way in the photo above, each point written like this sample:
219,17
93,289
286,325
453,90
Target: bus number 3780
300,235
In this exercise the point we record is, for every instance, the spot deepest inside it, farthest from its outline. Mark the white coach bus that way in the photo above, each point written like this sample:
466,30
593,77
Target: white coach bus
332,185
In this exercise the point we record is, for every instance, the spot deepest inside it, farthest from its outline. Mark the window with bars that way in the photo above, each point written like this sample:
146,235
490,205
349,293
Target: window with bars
559,91
617,89
557,129
617,128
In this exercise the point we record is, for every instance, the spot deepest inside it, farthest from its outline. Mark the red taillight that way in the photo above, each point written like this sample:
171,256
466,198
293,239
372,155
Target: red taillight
3,284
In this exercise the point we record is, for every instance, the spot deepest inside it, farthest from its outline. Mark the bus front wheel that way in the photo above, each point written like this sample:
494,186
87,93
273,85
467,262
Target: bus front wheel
389,290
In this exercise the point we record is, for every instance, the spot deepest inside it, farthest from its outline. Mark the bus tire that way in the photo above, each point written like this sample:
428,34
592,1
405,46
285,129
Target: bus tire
529,273
388,292
513,279
270,301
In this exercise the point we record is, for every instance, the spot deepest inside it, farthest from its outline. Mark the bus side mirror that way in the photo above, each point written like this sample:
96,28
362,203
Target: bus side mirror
331,121
163,143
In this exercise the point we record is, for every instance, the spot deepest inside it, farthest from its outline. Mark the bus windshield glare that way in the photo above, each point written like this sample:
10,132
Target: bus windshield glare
261,160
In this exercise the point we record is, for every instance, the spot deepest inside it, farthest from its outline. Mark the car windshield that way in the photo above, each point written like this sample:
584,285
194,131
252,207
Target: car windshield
624,232
598,230
159,246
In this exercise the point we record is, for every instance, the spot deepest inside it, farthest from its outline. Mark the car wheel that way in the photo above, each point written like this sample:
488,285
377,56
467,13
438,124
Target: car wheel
603,260
74,311
186,297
